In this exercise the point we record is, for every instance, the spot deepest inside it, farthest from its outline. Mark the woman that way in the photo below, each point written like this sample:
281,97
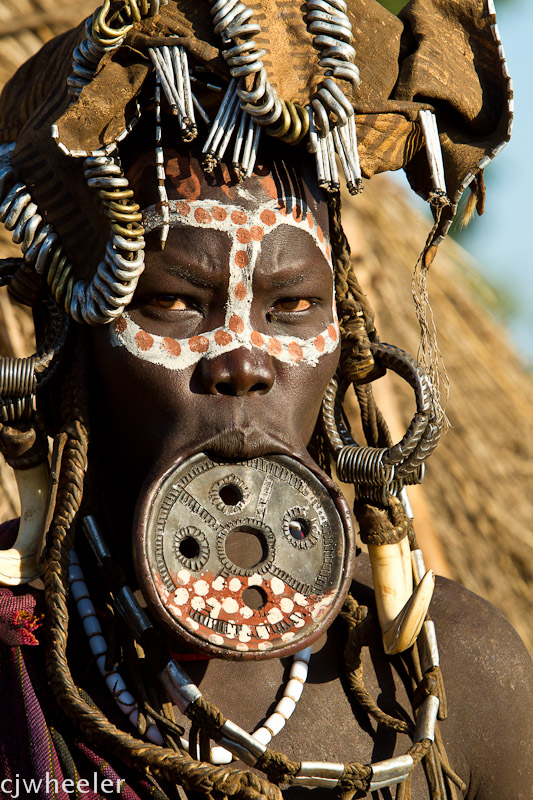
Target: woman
217,324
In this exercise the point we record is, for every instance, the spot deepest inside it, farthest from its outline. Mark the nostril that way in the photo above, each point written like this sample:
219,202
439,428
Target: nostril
224,388
228,389
259,387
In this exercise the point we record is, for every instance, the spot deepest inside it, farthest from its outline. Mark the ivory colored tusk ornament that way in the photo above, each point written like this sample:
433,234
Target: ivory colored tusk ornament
401,611
22,562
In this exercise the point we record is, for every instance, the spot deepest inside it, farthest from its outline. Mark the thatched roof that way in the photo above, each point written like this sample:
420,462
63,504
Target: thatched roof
476,499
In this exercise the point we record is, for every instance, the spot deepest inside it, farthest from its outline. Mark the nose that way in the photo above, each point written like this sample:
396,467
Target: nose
237,373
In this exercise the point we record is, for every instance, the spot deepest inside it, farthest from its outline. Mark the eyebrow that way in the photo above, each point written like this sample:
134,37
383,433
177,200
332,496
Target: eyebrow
196,276
290,280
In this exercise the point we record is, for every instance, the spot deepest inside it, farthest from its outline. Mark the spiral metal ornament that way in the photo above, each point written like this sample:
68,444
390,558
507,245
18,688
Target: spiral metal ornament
378,472
242,109
105,31
113,286
293,125
115,281
328,23
21,378
234,22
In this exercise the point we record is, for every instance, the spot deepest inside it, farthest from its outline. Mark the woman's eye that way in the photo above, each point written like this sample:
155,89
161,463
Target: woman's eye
172,302
292,304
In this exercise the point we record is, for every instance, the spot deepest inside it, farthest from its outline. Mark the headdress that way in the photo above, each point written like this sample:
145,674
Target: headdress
365,92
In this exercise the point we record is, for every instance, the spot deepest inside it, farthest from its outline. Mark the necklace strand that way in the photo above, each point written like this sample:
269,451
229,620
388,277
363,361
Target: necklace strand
264,734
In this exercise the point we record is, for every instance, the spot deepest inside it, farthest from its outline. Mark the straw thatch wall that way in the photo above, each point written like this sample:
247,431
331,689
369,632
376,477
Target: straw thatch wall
474,512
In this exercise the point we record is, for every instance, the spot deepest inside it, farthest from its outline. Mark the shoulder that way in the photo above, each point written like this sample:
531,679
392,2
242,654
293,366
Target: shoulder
488,676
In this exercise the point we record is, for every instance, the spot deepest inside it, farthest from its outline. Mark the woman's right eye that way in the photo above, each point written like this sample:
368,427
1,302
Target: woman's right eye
172,302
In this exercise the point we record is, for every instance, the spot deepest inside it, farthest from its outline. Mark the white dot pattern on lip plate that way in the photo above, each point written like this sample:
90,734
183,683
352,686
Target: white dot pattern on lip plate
246,230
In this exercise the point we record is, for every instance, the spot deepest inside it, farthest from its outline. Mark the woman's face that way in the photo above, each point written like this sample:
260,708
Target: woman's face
232,335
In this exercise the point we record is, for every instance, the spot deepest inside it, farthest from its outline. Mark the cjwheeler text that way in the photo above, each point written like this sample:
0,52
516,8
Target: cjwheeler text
12,787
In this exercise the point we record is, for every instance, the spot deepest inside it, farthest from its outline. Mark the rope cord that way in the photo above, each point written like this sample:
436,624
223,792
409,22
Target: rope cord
359,624
356,318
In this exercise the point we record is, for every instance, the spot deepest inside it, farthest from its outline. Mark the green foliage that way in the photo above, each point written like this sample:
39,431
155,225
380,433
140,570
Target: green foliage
393,5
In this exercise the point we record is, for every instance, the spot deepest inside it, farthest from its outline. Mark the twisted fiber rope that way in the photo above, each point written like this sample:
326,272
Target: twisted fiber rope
374,426
435,759
360,623
318,448
356,318
382,525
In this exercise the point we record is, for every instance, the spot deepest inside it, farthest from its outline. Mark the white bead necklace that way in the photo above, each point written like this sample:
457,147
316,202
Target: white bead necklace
264,734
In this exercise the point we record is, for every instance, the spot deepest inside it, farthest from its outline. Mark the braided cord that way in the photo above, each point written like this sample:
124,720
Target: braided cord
356,318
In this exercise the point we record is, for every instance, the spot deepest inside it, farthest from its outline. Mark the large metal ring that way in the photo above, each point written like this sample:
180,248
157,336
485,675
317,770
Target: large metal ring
403,461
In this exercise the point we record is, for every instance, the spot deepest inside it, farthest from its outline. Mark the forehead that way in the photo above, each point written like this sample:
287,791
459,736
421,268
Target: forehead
246,228
288,187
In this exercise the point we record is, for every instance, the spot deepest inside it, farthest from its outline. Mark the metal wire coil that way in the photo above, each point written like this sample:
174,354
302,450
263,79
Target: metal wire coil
364,465
328,23
13,409
337,433
113,286
233,21
17,377
394,466
101,37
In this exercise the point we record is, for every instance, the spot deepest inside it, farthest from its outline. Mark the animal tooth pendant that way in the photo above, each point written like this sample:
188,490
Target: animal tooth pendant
401,611
22,562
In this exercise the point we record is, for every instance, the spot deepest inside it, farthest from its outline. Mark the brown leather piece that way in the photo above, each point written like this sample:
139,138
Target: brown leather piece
439,54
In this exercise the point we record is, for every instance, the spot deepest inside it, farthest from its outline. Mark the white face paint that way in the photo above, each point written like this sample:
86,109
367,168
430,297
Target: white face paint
245,230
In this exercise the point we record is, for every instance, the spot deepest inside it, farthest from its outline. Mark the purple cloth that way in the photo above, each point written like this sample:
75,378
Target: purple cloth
29,763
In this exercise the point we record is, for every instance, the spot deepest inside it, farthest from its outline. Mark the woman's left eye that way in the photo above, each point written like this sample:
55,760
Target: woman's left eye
292,304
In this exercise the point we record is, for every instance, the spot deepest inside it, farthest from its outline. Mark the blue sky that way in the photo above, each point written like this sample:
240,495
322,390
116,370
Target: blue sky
500,240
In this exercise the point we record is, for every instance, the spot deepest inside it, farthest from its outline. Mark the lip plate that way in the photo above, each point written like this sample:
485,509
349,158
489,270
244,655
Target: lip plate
146,520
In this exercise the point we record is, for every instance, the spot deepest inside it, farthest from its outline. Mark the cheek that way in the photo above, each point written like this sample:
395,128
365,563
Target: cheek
304,388
136,402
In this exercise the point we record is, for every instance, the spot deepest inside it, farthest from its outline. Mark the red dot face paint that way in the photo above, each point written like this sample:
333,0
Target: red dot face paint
247,231
173,347
223,337
241,259
236,324
202,216
239,217
199,344
240,291
144,341
268,217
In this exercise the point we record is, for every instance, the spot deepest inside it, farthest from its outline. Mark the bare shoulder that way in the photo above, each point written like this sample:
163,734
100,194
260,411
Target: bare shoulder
488,676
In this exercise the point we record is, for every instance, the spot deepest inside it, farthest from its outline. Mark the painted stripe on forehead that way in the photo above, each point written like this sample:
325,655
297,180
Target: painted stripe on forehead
246,230
246,225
